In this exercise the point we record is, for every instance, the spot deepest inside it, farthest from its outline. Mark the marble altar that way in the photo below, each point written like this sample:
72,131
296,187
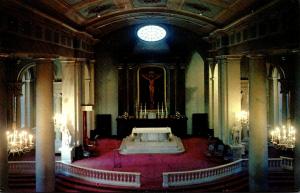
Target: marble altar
151,140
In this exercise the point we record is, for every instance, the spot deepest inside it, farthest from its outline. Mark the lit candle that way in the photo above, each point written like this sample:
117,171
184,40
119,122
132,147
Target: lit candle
30,139
272,136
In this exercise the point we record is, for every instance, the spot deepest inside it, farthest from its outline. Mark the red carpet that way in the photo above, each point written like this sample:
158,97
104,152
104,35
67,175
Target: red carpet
151,166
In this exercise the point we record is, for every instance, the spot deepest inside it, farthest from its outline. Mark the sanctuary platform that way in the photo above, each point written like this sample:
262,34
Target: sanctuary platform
151,140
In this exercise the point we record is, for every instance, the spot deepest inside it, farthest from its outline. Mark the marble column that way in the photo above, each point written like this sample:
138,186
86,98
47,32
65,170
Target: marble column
216,107
71,98
3,128
229,93
211,93
28,101
258,144
17,100
45,155
57,110
297,122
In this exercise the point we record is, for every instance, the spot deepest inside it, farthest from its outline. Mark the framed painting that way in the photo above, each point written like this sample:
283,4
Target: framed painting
151,83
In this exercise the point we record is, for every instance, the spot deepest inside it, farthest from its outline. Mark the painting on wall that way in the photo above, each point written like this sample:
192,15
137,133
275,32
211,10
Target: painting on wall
151,86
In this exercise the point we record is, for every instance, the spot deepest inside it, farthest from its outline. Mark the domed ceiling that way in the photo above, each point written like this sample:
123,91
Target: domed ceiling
102,16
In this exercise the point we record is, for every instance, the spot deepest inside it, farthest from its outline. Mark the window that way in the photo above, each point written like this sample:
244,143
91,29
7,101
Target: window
151,33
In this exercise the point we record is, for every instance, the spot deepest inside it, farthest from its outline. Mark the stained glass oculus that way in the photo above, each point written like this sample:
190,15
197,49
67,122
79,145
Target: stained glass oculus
151,33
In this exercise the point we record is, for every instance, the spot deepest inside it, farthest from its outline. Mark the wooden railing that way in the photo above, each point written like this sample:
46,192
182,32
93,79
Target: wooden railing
115,178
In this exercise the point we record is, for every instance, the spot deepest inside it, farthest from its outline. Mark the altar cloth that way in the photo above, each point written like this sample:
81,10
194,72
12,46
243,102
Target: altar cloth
151,140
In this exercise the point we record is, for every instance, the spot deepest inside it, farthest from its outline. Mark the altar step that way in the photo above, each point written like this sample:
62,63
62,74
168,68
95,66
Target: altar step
70,184
281,181
21,182
233,183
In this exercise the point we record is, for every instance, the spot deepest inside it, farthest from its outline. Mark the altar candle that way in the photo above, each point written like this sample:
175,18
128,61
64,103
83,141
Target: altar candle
272,136
30,139
145,108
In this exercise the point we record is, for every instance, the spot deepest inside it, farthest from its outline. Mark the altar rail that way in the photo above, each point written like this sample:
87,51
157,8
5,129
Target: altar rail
114,178
132,179
210,174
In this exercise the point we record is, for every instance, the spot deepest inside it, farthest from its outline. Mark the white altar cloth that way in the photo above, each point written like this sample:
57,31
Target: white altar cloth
151,140
151,133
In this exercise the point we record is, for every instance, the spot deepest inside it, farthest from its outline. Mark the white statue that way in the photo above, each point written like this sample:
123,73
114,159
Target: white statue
66,137
235,135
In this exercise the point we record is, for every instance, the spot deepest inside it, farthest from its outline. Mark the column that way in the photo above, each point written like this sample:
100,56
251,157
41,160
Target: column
90,115
180,89
17,93
285,95
297,123
172,91
258,149
45,155
3,127
28,101
229,93
216,108
211,93
57,110
122,93
71,99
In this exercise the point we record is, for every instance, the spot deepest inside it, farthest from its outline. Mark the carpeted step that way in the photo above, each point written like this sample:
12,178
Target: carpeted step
233,183
22,182
82,185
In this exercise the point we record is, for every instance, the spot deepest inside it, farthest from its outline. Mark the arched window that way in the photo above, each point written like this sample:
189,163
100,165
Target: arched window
27,105
279,98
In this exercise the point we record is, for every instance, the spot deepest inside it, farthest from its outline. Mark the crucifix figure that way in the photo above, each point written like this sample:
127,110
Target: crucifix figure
151,77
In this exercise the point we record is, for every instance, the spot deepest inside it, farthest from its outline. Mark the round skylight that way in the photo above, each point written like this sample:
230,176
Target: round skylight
151,33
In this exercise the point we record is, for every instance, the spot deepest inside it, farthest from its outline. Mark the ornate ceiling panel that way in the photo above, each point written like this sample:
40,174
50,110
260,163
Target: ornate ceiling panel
96,15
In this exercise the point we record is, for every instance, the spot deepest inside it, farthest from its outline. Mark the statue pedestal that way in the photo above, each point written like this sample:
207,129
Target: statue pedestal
67,154
237,151
151,140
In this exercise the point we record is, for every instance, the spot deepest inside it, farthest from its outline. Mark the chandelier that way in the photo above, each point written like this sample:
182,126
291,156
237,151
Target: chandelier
283,137
19,142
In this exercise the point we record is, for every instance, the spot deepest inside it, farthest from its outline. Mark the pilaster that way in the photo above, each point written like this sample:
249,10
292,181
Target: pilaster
229,93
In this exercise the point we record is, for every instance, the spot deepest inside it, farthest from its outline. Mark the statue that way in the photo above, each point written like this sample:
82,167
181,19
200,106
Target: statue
66,137
235,135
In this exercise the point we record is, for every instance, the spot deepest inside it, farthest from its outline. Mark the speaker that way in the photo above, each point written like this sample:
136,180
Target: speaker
103,125
200,124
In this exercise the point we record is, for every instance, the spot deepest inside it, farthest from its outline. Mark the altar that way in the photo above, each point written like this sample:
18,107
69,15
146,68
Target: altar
151,140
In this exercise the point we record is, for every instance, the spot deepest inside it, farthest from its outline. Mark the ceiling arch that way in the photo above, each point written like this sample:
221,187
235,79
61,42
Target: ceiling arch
97,15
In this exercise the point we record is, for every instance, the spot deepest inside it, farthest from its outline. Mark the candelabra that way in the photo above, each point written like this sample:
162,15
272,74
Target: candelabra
19,141
283,137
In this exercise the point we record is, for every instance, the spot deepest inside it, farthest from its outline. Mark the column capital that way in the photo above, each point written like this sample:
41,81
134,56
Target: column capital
72,60
92,61
171,66
43,60
256,56
229,57
210,61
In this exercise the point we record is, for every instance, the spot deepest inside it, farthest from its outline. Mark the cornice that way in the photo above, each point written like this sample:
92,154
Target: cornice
243,19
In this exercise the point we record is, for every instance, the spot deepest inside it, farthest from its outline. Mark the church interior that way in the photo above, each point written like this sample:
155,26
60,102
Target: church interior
149,95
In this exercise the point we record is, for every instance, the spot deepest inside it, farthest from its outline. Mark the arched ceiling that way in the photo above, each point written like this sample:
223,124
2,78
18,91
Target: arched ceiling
98,17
